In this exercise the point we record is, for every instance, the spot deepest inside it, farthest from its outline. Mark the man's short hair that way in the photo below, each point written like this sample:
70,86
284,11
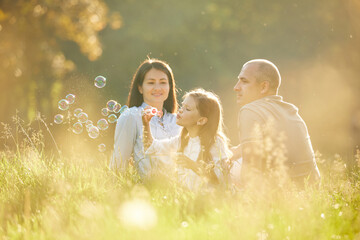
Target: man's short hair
267,71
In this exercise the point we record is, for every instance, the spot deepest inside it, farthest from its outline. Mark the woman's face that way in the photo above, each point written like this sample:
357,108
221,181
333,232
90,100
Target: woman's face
188,115
155,88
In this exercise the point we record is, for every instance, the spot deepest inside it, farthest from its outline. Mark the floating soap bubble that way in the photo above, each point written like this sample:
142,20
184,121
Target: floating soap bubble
77,111
101,147
112,118
151,111
93,132
111,105
63,104
58,119
88,122
77,128
102,124
83,117
88,127
100,82
123,109
117,108
104,112
70,98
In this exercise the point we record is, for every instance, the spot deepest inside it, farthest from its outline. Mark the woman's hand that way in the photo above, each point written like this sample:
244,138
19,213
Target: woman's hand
147,115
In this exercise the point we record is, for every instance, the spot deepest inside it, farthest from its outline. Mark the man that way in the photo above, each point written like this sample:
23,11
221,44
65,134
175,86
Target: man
272,133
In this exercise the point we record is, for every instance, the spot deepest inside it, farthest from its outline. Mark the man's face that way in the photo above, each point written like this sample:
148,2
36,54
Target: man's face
247,88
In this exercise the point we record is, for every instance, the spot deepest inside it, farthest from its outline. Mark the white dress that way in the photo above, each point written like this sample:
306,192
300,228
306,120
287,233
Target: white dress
188,177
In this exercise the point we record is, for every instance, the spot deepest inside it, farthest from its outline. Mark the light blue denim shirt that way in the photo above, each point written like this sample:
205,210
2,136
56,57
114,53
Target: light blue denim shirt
128,140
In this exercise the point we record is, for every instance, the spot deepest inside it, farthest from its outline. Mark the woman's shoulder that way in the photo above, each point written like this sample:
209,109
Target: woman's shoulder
131,113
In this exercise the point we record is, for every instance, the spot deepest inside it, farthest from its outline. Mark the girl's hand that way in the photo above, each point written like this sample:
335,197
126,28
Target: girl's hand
186,162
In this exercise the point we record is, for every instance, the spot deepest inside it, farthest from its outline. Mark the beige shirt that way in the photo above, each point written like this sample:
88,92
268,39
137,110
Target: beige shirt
278,128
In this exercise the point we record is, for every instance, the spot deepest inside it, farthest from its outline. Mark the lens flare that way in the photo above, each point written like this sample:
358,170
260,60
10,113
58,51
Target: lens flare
138,213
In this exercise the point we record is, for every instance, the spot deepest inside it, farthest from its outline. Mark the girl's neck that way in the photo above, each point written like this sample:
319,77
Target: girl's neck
193,131
158,106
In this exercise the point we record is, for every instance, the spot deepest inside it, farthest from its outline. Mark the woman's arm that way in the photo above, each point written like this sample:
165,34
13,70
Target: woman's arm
147,137
124,141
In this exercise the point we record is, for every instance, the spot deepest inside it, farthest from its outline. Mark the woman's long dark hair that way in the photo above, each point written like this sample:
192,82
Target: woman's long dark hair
135,98
209,106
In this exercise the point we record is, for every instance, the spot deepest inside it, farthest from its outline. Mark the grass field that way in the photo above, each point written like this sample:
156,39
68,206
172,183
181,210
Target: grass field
54,197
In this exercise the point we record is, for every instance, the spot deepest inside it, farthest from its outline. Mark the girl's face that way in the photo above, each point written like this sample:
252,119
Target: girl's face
155,88
188,115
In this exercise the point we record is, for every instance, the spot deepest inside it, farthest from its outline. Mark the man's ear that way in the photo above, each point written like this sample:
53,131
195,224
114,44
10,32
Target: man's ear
265,87
140,89
202,121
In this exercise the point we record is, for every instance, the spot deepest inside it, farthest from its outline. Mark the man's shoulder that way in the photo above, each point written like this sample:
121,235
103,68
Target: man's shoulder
254,106
271,104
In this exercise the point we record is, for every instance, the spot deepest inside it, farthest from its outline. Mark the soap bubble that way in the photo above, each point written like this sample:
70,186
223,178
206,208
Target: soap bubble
117,108
83,117
93,132
150,111
104,112
101,147
88,122
63,104
77,111
88,127
58,119
77,128
70,98
123,109
112,118
102,124
100,82
111,105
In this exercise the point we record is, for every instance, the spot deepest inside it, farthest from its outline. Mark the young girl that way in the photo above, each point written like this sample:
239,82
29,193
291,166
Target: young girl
202,146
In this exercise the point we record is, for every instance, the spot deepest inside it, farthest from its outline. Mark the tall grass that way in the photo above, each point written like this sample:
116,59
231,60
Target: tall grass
58,197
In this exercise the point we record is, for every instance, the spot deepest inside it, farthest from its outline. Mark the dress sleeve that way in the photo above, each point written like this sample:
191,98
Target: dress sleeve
124,141
249,123
163,146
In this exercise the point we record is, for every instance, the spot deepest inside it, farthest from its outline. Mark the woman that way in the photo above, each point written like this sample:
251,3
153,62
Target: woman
152,85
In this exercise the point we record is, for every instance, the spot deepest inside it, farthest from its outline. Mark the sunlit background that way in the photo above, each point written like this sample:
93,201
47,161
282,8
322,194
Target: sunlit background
51,48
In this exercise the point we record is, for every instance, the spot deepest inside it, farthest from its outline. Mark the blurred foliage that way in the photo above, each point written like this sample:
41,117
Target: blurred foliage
50,48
